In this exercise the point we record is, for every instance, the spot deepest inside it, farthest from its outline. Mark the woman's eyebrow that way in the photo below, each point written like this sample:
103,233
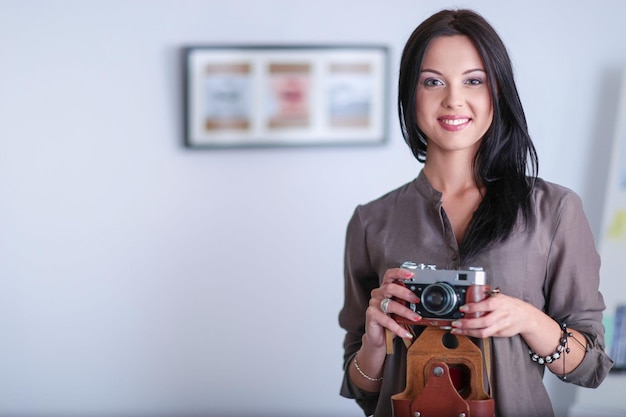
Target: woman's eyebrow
469,71
474,70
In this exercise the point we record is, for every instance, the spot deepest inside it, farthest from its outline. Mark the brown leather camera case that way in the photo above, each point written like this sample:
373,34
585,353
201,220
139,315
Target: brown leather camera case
430,391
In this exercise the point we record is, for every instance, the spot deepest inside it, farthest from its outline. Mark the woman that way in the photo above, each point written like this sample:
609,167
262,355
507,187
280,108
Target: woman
473,204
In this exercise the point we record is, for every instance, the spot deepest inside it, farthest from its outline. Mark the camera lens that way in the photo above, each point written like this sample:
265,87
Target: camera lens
439,299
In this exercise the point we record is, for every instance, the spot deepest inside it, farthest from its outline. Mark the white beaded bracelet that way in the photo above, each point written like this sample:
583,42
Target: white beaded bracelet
561,350
363,374
542,360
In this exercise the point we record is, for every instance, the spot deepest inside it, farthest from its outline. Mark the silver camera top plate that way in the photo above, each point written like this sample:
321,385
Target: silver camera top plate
429,274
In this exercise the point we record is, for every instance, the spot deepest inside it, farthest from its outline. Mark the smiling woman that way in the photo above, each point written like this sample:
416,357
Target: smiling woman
454,107
477,203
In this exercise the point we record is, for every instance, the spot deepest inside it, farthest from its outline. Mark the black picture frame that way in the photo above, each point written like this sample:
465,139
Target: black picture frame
285,95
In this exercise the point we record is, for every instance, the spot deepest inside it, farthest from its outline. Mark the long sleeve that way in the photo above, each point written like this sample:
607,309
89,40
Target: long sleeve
572,283
360,280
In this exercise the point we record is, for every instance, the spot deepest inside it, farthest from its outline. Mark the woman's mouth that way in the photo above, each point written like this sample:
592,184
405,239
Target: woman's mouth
454,123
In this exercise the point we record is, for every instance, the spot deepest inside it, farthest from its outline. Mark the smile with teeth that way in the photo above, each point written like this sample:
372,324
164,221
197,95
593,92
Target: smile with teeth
454,122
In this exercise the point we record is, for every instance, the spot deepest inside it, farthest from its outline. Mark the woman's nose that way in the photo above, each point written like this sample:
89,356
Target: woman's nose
453,98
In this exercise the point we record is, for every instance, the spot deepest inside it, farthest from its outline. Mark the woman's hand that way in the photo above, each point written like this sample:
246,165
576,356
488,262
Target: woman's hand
371,355
505,316
376,320
500,315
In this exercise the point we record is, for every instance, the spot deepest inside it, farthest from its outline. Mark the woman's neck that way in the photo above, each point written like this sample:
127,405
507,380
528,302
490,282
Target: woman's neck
450,176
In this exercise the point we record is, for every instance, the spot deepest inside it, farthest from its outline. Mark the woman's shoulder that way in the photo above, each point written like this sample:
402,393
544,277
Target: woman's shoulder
389,196
411,191
417,188
552,197
387,205
550,191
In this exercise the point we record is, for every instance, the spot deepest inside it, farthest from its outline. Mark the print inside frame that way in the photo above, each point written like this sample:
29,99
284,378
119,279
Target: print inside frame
256,96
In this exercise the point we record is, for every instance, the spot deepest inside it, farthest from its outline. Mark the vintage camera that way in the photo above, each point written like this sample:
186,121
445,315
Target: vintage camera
442,292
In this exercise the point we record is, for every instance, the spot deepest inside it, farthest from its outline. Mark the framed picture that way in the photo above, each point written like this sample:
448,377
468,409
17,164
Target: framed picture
238,96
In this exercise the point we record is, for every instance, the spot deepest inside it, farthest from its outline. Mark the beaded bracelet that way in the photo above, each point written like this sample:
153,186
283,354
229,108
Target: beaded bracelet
550,358
541,360
363,374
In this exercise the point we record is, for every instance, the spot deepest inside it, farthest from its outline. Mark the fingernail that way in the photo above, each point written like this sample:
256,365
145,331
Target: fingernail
463,308
455,324
417,318
408,335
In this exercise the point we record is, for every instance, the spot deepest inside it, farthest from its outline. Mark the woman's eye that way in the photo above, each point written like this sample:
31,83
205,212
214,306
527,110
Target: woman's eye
432,82
474,81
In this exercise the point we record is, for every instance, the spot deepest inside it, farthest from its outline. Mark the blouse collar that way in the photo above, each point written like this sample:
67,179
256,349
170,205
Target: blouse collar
427,190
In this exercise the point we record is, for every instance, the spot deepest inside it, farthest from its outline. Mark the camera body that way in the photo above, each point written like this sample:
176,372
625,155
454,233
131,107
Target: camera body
442,292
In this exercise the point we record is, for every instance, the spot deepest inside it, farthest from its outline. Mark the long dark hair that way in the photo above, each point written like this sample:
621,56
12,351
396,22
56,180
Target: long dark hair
506,163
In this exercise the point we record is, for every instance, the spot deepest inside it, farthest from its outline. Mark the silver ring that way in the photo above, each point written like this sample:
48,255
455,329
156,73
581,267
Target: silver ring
384,305
494,291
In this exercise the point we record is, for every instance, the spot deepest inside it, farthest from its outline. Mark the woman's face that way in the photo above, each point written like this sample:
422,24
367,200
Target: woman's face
454,108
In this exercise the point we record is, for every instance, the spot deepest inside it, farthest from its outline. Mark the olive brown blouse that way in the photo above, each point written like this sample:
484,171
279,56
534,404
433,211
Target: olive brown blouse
550,261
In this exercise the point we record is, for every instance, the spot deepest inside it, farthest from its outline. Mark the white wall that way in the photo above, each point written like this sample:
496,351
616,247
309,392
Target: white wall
141,278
